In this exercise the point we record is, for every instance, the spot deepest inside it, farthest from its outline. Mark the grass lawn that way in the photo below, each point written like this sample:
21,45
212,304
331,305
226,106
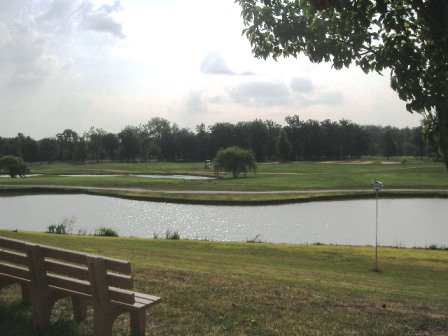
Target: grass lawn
211,288
274,182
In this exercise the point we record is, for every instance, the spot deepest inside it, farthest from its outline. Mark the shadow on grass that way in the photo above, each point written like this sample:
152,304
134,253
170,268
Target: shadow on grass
16,320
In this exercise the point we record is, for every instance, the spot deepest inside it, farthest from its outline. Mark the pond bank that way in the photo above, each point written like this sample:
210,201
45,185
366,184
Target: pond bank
223,197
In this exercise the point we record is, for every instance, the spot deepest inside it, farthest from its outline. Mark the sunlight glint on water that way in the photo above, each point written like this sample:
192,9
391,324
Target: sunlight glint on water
402,222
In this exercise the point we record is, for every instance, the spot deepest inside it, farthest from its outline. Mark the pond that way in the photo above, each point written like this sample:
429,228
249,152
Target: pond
401,222
152,176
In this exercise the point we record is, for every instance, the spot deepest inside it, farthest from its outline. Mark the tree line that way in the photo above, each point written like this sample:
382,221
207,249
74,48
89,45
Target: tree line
161,140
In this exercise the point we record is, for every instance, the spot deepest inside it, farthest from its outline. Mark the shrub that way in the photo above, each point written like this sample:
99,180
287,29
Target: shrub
174,235
13,166
106,232
82,232
65,227
257,239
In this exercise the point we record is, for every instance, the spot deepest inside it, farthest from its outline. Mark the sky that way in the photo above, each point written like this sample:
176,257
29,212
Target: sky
108,64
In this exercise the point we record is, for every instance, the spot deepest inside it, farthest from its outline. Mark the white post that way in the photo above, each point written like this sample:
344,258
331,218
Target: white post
377,186
376,234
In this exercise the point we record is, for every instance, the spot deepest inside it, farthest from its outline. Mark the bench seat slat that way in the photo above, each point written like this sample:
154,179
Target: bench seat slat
145,302
13,257
138,304
147,296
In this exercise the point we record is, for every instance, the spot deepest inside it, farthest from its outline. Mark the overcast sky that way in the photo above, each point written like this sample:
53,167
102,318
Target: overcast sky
108,64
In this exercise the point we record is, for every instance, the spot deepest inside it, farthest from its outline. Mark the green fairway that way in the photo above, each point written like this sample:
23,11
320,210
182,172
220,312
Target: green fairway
211,288
273,182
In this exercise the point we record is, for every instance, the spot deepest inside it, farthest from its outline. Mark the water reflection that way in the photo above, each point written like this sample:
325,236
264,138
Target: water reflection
402,222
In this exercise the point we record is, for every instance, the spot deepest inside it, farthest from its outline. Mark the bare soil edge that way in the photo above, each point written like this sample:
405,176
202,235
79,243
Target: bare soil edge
290,199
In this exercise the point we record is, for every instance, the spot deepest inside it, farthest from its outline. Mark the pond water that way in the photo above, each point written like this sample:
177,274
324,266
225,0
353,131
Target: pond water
401,222
153,176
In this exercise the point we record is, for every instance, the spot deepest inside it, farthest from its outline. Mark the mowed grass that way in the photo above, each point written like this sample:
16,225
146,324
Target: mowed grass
218,288
273,182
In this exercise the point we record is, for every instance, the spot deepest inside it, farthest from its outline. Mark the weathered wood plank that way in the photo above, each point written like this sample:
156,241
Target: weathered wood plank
71,270
74,285
13,257
14,244
16,271
120,281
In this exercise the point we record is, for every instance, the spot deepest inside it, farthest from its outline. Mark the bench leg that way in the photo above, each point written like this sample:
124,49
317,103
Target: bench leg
103,321
138,324
42,308
26,293
79,309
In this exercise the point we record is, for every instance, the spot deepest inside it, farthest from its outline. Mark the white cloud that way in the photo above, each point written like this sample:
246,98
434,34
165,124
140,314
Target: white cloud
195,103
70,15
323,98
300,84
215,64
263,93
59,11
101,20
24,55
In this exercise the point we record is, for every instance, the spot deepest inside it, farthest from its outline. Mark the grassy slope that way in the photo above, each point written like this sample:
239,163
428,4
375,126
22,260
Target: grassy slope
211,288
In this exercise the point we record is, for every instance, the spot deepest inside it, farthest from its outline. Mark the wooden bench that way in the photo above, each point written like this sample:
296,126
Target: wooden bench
14,266
47,274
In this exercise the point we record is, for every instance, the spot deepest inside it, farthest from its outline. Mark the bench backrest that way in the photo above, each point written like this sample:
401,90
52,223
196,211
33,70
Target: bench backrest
74,272
14,260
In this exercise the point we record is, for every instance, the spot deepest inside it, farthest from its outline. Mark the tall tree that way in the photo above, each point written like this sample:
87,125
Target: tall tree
203,143
159,138
111,144
186,144
418,141
284,148
67,141
48,148
222,135
95,143
407,38
129,144
258,139
293,131
388,145
273,130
